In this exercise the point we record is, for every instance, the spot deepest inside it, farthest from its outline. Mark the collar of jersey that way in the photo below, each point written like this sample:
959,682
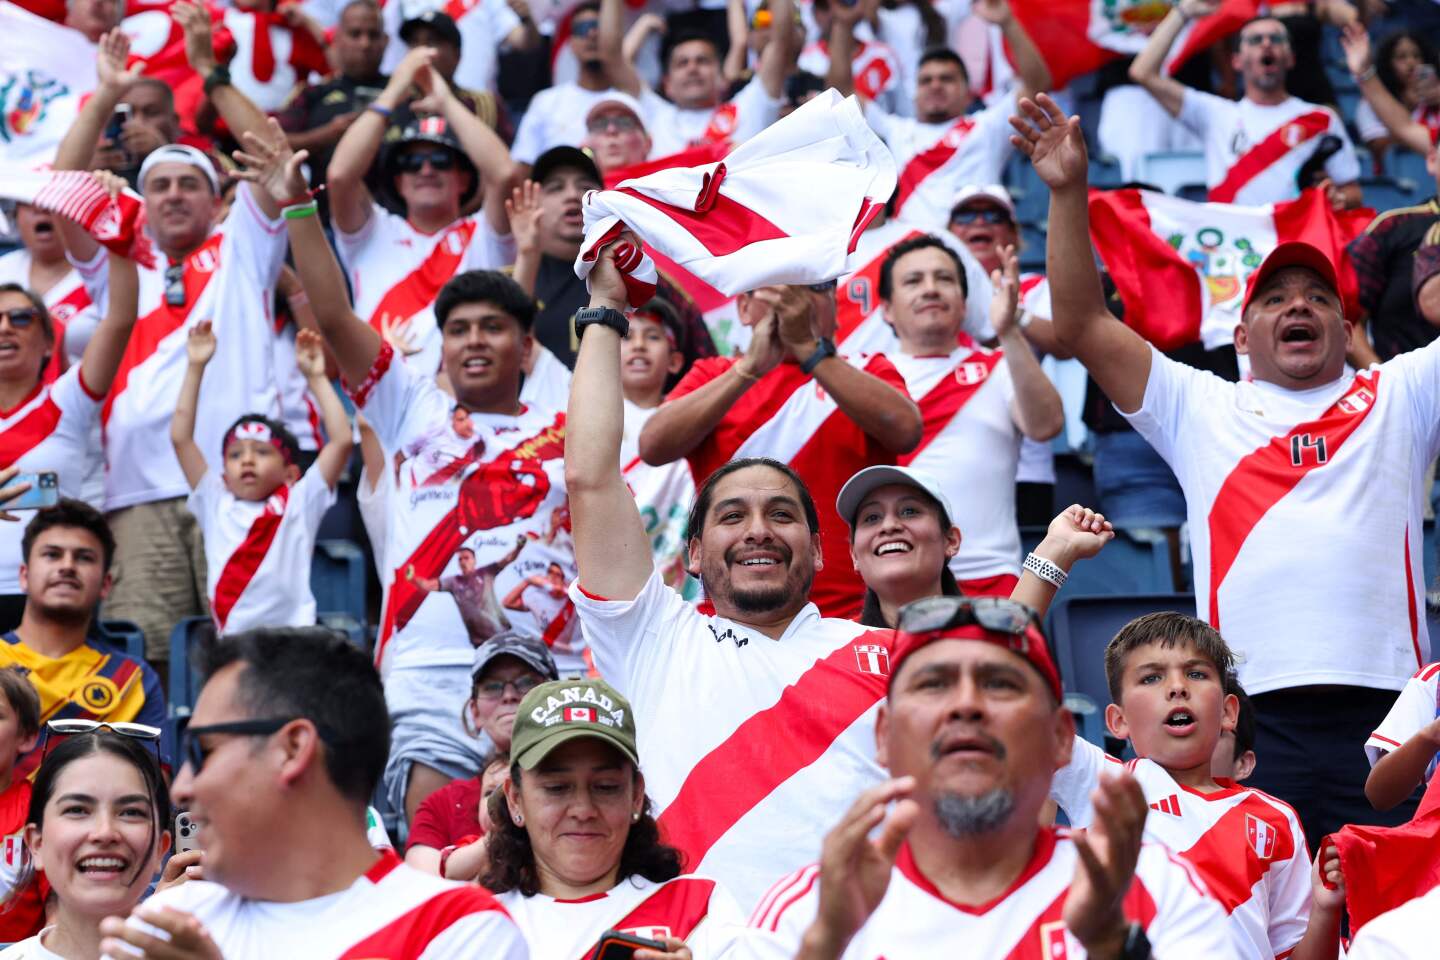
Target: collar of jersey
1044,848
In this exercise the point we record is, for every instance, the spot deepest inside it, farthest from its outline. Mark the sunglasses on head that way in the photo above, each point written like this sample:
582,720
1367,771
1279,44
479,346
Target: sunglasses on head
583,28
20,317
70,728
984,216
194,752
414,161
175,285
996,614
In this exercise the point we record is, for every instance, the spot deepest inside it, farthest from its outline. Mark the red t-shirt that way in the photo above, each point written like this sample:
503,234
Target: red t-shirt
26,915
447,815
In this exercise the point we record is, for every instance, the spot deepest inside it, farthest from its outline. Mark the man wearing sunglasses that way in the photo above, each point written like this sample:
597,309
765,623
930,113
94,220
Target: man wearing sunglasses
1254,149
219,272
615,133
282,754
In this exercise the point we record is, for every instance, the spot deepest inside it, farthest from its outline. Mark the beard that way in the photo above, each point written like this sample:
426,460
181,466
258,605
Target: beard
962,817
799,576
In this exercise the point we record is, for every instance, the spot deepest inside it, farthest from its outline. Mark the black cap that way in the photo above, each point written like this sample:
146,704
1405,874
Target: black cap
558,157
527,650
434,130
435,20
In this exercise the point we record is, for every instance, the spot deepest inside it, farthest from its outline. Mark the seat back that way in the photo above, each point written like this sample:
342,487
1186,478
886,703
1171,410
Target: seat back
1082,626
1172,169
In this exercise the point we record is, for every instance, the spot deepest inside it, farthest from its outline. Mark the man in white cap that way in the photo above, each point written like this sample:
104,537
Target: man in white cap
1303,487
615,133
223,274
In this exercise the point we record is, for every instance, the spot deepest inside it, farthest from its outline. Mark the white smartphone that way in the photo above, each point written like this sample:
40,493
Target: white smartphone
187,833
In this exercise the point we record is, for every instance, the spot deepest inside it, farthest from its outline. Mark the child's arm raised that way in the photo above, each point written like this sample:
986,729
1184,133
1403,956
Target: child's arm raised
310,356
200,347
1396,775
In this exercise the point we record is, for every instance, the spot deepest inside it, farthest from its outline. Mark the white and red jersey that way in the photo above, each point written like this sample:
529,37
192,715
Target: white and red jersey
970,443
673,128
1247,846
267,56
477,493
937,159
754,747
257,555
396,271
1024,923
694,909
229,281
789,417
483,24
874,67
49,430
1253,153
390,911
1416,708
71,312
1290,494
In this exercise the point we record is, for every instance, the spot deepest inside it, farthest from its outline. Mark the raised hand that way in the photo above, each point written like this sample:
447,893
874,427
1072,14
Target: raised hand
992,11
419,58
434,91
110,58
398,332
523,209
200,343
606,280
1080,532
270,165
1005,302
1052,141
1108,852
112,183
310,354
194,19
1355,39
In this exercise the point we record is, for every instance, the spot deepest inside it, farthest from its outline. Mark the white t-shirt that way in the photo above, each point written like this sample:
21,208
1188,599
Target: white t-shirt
230,281
974,455
391,911
1247,846
68,302
937,159
1416,708
547,386
673,128
50,430
916,920
1404,933
754,747
30,949
483,26
1231,129
874,67
694,909
396,271
265,578
555,118
1307,542
475,494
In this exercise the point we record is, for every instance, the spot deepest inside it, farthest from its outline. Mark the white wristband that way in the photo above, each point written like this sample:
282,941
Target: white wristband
1046,570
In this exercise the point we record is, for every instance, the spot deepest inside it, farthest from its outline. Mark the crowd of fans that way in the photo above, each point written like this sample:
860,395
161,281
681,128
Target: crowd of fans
769,541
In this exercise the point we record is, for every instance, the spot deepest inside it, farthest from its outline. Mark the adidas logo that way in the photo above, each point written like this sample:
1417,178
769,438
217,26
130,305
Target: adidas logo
1170,805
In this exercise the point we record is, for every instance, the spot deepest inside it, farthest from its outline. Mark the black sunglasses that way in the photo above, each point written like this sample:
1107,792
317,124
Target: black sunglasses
74,727
20,317
996,614
583,28
988,216
175,285
195,752
414,161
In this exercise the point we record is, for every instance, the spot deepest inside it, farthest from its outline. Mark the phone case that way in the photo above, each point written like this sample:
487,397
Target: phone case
44,491
614,945
187,834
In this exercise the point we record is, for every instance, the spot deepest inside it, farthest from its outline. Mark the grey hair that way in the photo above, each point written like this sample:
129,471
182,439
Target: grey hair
961,816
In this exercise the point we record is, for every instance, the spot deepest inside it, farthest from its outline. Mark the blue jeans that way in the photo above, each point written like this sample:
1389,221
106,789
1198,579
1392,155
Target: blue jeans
1135,486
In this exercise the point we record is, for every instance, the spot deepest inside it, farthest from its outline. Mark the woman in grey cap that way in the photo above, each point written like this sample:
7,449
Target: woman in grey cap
576,850
448,834
901,540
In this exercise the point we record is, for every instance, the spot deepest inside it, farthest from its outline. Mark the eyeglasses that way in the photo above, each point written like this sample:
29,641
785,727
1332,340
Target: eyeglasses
175,285
825,286
1277,38
495,689
20,317
984,216
414,161
73,727
996,614
617,123
583,28
195,752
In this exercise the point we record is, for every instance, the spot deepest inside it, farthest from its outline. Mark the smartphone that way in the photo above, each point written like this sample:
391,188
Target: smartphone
614,945
116,126
187,833
44,491
1424,72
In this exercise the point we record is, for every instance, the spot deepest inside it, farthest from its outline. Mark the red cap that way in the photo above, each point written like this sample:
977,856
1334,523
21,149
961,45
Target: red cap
1031,645
1296,253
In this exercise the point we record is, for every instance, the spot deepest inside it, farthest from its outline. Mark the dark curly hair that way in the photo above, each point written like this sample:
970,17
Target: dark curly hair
512,859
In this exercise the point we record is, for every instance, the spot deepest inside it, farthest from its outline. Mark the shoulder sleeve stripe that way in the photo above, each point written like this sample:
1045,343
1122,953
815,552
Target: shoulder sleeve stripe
1376,736
782,896
1427,671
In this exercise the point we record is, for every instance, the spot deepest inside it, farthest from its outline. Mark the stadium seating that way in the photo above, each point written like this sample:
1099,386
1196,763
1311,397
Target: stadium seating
1171,170
1032,251
1387,193
124,635
337,578
184,679
1408,167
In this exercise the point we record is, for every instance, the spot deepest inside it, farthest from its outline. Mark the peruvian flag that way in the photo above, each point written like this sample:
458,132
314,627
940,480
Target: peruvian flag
45,71
1078,36
1181,267
1387,866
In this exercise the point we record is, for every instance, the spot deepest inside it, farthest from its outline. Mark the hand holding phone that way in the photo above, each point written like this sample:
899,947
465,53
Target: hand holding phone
187,833
44,491
614,945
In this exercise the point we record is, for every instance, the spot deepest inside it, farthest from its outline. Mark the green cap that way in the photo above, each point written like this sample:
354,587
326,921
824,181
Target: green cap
564,710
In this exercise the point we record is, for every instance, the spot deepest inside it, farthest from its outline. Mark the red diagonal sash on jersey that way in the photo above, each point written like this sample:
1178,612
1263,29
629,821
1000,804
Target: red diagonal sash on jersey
675,910
29,432
771,747
408,936
860,295
946,399
489,497
1232,856
932,158
240,569
164,320
418,290
1258,158
1266,475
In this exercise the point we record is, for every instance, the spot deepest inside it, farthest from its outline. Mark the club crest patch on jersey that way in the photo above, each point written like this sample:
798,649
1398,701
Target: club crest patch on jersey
971,372
872,658
98,695
1053,943
1261,836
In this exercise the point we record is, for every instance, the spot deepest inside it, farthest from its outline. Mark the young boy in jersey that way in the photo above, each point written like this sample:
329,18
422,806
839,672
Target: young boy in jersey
23,910
1403,750
259,514
1167,676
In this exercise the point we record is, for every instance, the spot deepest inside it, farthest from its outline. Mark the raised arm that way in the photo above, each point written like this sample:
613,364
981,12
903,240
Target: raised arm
310,356
843,19
1029,65
778,57
1402,126
199,348
612,48
498,172
1078,533
271,167
107,344
1116,356
612,551
737,28
522,208
1147,69
639,33
1036,409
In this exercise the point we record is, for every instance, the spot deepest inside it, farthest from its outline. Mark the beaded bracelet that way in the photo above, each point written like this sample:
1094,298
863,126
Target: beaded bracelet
300,211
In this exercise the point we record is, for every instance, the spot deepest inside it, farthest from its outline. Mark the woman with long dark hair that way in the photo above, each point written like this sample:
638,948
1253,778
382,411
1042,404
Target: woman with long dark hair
1406,63
576,850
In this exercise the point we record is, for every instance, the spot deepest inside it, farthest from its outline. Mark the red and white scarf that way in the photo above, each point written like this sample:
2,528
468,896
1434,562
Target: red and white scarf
115,222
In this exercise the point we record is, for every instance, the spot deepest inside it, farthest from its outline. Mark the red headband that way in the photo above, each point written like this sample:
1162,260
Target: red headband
256,430
1030,645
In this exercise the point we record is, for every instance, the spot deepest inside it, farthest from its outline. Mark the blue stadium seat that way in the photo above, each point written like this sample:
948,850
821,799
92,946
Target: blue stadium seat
1136,561
124,635
337,578
1105,172
1032,197
184,679
1407,166
1194,192
1171,170
1432,564
1032,251
1386,193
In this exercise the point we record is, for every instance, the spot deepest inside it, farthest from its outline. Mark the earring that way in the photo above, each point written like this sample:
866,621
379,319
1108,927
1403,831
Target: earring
519,820
635,817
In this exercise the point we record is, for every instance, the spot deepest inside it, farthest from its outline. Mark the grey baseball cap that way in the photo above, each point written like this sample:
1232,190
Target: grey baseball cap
528,650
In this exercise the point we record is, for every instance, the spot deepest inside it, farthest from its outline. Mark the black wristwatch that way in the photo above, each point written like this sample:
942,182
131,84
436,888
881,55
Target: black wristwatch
219,77
824,347
1137,944
605,316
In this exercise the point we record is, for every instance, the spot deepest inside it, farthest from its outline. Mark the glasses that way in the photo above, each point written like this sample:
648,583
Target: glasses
825,286
1276,38
70,728
20,317
495,689
984,216
583,28
175,285
195,752
616,123
415,161
995,614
